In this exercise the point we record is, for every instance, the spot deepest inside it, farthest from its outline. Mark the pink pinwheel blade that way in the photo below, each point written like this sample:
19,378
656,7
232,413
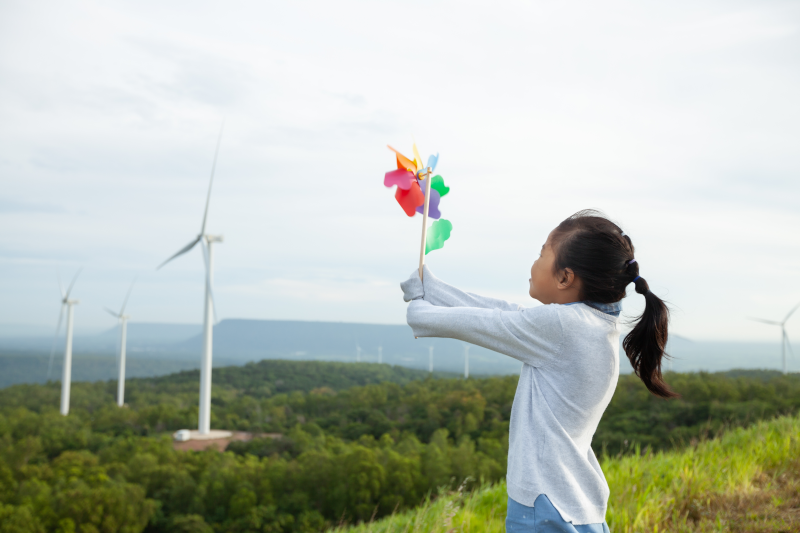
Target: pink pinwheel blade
433,207
402,178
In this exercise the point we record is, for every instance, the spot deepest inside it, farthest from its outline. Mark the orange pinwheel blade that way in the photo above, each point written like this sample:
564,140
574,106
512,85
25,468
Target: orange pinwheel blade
403,161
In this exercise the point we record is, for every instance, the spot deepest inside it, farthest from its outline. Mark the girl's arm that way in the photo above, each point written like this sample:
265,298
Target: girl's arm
532,335
439,293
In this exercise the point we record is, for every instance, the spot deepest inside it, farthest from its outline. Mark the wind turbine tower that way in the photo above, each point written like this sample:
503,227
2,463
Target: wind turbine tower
430,359
358,353
206,242
66,375
66,371
123,323
380,355
784,336
466,361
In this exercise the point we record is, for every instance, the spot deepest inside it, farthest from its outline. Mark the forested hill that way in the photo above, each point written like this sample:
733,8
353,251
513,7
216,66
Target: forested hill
273,376
260,380
346,454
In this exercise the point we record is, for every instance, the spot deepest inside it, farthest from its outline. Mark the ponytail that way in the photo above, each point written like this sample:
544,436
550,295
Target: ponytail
602,256
646,342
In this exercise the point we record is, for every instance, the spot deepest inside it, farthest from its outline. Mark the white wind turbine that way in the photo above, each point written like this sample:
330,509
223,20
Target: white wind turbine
123,323
430,359
784,336
466,361
66,371
206,241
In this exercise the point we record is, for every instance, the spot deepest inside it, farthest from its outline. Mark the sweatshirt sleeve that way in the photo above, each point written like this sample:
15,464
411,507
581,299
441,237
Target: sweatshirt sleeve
531,335
439,293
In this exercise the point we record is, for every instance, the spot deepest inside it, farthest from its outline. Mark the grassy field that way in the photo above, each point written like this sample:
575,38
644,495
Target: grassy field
746,480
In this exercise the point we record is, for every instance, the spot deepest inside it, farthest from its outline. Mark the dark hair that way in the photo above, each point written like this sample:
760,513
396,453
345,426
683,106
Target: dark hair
601,255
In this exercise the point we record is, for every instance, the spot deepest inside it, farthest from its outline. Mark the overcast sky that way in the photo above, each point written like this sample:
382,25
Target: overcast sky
680,120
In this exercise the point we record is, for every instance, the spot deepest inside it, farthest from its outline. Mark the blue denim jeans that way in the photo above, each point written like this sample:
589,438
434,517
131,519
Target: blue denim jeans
543,518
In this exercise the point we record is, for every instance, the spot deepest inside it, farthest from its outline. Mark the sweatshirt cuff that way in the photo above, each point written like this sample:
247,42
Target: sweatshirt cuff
413,288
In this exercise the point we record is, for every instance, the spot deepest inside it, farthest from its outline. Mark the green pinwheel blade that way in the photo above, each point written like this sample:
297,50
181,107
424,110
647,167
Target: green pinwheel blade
437,183
437,234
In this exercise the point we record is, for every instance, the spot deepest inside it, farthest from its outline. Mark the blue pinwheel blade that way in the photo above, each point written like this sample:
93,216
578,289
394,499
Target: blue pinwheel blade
432,160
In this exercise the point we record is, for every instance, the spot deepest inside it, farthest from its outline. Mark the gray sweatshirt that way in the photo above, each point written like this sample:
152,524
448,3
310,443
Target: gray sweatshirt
571,366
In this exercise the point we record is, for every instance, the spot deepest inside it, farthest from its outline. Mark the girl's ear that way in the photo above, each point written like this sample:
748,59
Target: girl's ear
565,278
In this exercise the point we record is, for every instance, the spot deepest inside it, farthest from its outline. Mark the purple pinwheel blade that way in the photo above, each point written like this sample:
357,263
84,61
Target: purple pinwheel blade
433,208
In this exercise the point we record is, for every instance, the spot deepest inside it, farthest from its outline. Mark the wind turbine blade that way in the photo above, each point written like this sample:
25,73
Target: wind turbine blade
774,323
790,313
181,252
69,289
55,338
110,312
208,283
60,286
124,303
205,255
211,182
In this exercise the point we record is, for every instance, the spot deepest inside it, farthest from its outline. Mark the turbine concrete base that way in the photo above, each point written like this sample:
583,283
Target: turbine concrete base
213,434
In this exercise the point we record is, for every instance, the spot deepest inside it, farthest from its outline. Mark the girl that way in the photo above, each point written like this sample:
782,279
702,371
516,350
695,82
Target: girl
569,347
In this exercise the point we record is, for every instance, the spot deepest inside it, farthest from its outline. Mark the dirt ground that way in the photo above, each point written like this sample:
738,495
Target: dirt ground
218,444
772,505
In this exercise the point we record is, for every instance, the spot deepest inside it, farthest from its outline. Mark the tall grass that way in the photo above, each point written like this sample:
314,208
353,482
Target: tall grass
715,485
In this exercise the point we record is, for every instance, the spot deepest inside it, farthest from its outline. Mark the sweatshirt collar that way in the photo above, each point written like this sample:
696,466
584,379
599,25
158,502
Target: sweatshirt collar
613,309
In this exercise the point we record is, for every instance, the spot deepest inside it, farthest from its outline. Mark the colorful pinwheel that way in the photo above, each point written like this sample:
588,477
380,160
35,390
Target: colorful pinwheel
418,192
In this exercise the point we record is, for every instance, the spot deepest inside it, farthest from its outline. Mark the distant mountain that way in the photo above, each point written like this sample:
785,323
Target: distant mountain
249,340
240,339
143,333
142,336
237,341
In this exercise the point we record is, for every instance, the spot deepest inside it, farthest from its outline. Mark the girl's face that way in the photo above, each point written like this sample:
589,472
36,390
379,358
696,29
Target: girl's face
552,287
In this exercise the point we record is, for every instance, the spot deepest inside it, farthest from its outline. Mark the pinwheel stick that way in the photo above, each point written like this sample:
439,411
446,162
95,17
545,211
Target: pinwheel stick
427,173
